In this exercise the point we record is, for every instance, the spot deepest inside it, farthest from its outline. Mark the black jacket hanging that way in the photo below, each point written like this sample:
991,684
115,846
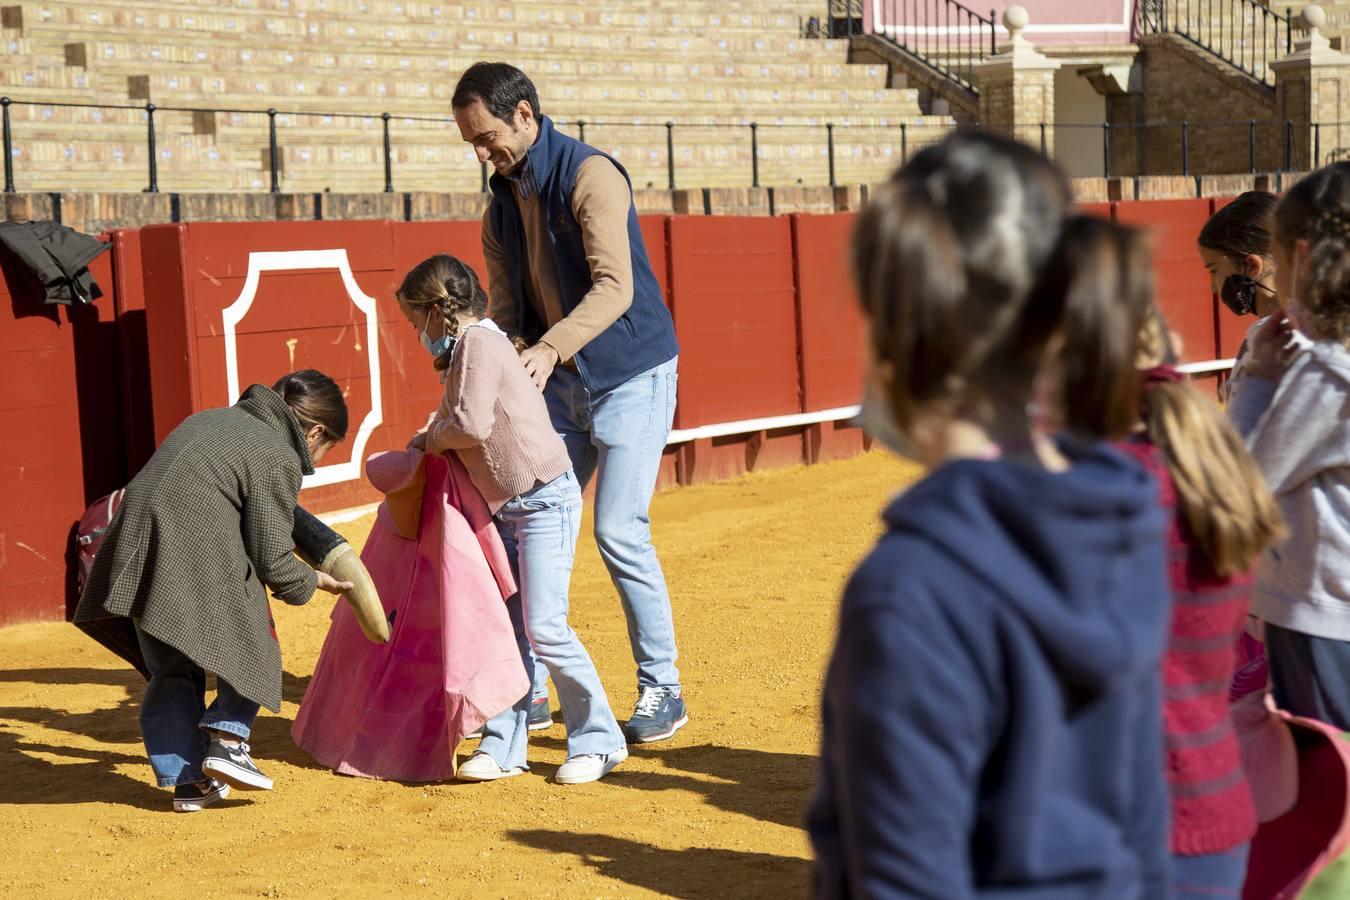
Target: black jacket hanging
58,256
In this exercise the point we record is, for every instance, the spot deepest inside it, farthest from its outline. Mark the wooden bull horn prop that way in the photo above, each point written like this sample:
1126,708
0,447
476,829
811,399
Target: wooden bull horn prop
326,550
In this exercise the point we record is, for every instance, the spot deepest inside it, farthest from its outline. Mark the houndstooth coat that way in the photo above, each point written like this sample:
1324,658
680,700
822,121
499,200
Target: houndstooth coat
202,528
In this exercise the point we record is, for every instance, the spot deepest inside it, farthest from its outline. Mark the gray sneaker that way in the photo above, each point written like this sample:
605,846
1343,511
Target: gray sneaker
660,712
541,716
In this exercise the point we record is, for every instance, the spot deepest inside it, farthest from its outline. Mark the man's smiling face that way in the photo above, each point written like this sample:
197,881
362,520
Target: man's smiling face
502,143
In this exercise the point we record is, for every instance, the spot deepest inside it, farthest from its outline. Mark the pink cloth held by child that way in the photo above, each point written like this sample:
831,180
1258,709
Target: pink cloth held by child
397,711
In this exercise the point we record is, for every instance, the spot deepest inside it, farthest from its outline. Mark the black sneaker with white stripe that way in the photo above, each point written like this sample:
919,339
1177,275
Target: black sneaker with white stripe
233,765
196,797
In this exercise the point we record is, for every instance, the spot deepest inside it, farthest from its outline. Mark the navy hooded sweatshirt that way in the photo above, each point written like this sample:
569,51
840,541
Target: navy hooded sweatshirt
992,723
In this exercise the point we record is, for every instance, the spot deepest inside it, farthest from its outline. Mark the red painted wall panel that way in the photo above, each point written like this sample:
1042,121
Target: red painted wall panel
305,318
1101,210
61,443
733,294
1182,283
831,322
763,308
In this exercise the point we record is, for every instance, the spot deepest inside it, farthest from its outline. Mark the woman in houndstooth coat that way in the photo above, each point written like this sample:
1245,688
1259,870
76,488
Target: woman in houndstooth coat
181,574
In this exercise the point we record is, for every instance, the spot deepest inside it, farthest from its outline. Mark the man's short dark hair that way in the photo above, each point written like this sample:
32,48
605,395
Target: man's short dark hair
499,86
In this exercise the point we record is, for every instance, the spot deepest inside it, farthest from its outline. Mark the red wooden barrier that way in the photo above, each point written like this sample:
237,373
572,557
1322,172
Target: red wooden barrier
61,443
733,295
763,308
1182,283
831,326
233,304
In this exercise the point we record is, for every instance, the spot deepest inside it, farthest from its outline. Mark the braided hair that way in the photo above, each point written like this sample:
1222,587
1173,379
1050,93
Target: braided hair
446,285
1317,210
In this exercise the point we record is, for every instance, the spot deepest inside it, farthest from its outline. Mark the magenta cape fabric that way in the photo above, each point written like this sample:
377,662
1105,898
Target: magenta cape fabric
397,711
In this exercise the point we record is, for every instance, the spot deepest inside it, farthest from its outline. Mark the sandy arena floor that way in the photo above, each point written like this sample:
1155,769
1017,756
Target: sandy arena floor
755,567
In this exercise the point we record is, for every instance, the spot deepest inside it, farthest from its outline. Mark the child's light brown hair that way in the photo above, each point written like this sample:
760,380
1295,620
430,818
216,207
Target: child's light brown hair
447,285
977,279
1229,513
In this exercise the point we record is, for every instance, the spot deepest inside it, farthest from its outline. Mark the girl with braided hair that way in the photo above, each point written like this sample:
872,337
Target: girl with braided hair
496,421
1294,411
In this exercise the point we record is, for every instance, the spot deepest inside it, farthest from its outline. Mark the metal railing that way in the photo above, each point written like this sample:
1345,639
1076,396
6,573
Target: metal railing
385,135
946,36
1246,34
822,148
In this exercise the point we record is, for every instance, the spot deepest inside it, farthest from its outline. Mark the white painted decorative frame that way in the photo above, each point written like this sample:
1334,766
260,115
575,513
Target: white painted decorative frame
232,315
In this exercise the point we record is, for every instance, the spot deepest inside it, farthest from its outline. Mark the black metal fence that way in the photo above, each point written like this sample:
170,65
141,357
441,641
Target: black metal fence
1095,149
946,36
1246,34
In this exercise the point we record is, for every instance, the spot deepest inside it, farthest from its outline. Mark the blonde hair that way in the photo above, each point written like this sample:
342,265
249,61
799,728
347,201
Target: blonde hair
1228,511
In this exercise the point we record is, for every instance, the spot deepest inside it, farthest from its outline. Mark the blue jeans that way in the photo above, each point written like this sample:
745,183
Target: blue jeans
174,714
618,436
1210,875
540,530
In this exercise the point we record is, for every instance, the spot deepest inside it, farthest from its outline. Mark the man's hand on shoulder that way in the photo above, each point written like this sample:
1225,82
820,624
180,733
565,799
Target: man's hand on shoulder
540,361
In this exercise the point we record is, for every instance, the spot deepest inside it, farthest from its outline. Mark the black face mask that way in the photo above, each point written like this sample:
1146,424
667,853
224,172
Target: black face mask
1238,293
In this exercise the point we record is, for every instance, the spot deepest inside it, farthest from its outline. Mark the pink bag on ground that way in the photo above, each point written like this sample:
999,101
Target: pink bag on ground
397,711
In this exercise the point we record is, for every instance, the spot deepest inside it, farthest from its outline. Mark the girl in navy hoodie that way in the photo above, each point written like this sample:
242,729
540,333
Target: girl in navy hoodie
991,714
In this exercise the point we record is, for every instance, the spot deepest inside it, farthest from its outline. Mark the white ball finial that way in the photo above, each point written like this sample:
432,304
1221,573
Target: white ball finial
1314,17
1015,18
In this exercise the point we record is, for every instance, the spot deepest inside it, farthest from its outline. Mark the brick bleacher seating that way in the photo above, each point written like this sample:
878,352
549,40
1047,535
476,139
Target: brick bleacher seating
711,66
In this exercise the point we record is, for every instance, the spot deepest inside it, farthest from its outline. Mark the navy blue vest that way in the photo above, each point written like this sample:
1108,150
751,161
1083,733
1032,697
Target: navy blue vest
644,336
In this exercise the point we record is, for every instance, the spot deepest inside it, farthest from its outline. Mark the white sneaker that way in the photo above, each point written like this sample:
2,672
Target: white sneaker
591,767
481,767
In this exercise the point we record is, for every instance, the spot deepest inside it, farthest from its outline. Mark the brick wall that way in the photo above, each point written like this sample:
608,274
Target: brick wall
1183,83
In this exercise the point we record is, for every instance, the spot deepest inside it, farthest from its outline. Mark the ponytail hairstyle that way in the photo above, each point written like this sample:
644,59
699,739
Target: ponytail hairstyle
1242,228
1228,512
976,282
316,400
445,284
1317,210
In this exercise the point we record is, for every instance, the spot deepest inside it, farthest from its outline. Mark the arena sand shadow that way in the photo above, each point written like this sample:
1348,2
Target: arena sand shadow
761,784
75,774
697,872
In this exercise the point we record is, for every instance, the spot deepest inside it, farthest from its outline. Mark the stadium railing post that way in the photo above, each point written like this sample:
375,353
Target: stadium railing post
9,146
829,138
1106,149
1185,147
670,154
754,153
388,157
1251,144
150,146
272,155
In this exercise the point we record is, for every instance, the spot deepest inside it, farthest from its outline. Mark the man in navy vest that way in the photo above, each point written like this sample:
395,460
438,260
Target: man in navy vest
569,273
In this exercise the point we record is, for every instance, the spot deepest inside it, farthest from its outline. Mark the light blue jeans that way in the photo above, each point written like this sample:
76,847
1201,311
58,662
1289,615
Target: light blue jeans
618,436
174,714
540,529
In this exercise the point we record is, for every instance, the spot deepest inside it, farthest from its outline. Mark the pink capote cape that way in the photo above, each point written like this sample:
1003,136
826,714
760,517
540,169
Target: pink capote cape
397,711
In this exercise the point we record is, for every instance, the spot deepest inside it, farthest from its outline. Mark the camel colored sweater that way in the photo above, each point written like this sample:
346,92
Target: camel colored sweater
495,419
600,201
